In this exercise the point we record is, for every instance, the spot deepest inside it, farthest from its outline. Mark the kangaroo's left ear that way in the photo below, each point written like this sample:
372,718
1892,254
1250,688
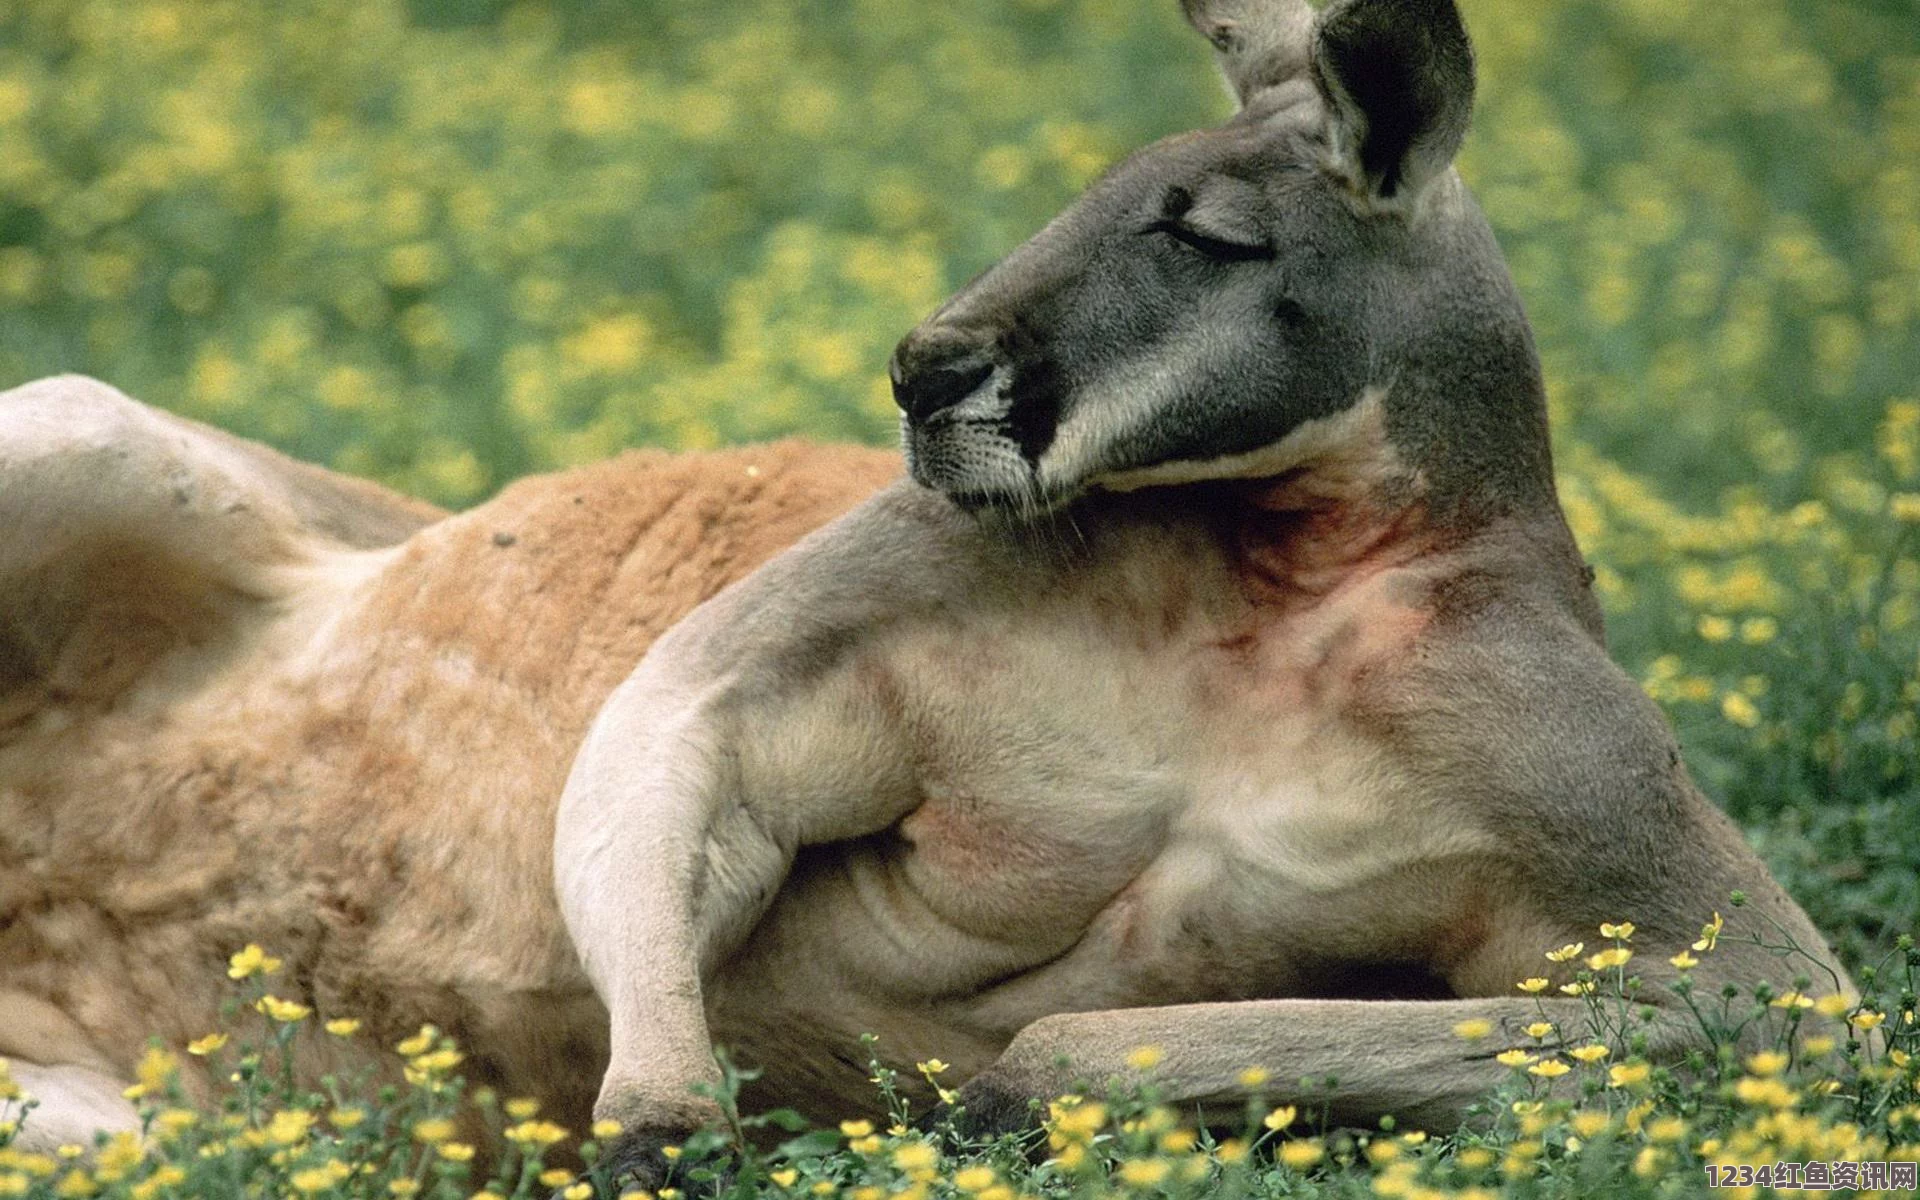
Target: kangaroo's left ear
1397,78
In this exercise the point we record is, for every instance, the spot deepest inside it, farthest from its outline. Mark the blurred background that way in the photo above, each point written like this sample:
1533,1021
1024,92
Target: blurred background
444,243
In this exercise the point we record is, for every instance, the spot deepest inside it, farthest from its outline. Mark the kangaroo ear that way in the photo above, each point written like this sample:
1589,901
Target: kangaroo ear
1259,42
1397,78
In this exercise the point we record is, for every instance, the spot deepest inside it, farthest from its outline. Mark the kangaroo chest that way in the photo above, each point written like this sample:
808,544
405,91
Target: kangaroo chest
1149,790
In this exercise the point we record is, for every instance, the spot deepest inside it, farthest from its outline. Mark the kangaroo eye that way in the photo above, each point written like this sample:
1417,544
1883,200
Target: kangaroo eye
1211,246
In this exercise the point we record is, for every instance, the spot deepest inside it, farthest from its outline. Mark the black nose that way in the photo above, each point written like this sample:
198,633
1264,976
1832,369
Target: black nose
931,377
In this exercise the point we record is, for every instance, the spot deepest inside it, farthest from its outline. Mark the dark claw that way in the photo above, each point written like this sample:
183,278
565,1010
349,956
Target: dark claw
984,1111
634,1159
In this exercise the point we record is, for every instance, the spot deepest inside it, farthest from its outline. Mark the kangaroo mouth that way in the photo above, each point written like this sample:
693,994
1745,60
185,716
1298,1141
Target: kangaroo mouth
979,465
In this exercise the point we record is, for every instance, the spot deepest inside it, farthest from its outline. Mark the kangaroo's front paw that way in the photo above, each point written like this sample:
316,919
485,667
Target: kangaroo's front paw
985,1108
636,1158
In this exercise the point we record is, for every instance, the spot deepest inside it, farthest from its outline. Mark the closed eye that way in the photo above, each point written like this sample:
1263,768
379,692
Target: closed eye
1212,247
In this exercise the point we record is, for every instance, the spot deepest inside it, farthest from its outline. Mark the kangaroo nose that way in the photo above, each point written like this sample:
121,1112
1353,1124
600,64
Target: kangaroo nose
932,376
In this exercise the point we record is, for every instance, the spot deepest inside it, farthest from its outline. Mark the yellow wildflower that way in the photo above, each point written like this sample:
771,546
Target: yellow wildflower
1865,1020
1301,1154
1622,931
1254,1077
606,1127
1513,1058
207,1045
582,1190
1767,1062
1280,1117
520,1108
1590,1122
1143,1172
343,1026
973,1179
1534,985
1614,956
1473,1030
1590,1053
1628,1074
1567,953
534,1133
1684,961
856,1129
1539,1029
287,1011
1144,1058
454,1151
251,960
422,1042
1710,934
433,1129
1551,1069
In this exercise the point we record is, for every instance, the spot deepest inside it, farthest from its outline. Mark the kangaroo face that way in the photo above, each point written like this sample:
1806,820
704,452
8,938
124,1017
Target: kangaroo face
1221,288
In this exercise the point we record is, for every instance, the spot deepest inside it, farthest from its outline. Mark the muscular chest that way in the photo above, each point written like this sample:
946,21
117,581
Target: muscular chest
1137,796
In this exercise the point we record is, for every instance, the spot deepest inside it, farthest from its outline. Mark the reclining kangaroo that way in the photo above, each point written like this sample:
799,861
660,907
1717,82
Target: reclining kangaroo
1225,679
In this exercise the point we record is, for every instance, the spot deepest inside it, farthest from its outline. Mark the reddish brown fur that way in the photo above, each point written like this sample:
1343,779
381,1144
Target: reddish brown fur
398,742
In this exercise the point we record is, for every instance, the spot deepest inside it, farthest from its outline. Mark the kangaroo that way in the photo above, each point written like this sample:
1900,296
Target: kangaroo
1224,678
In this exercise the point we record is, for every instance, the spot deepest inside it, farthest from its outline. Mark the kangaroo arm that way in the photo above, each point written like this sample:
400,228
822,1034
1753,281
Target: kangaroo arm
704,775
1353,1060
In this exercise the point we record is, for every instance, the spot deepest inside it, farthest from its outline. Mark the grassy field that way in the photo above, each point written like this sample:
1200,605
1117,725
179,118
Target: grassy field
444,243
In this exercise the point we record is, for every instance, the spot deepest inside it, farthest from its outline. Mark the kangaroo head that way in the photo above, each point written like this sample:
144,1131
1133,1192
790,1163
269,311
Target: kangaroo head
1221,291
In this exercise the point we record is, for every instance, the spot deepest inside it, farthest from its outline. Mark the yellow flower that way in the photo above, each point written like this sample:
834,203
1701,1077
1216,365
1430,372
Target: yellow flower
1865,1020
438,1062
1834,1005
583,1190
1628,1074
1590,1122
288,1126
1622,932
1551,1069
422,1042
320,1178
1513,1058
1591,1053
454,1151
534,1133
1615,956
1301,1154
1710,934
856,1129
520,1108
932,1066
555,1177
1143,1172
1684,961
1566,953
343,1026
207,1045
1144,1058
974,1179
404,1187
1280,1117
286,1011
606,1128
433,1129
1581,987
916,1156
1473,1030
1254,1077
1532,986
1792,1000
251,960
1767,1062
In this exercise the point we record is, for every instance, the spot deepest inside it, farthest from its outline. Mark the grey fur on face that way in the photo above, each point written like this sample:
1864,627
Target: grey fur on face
1219,289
